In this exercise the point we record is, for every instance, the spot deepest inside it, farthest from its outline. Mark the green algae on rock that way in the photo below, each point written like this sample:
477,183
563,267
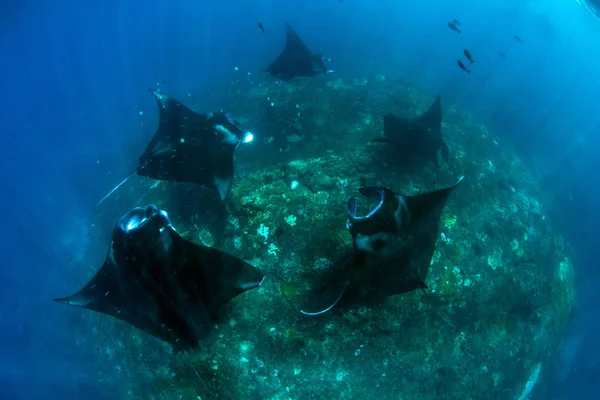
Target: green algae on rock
501,272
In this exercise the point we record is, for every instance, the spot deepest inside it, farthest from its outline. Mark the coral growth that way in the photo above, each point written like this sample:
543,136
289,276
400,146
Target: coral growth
500,277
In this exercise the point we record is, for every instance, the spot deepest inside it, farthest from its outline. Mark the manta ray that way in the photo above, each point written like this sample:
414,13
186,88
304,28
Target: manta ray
421,136
191,147
163,284
392,246
296,59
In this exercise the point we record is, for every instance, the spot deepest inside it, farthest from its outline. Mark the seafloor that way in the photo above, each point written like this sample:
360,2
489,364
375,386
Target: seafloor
501,274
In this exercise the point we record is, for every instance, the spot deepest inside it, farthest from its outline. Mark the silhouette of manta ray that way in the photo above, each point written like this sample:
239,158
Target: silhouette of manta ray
393,245
420,136
296,59
162,284
190,147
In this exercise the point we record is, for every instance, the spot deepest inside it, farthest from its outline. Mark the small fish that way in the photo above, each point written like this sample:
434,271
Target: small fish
501,54
467,54
453,26
261,27
518,38
456,22
163,82
70,259
462,66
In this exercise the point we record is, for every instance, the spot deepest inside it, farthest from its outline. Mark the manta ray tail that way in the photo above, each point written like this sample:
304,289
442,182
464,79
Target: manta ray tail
385,141
446,320
312,314
118,186
195,370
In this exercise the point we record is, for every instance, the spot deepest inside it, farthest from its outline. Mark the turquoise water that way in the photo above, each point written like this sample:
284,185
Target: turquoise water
486,293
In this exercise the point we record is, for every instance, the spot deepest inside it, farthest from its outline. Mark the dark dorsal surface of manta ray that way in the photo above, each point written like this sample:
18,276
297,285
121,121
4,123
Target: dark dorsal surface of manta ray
296,59
392,246
191,147
421,136
160,283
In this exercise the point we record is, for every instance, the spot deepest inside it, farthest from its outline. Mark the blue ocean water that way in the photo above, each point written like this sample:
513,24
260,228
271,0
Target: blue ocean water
75,114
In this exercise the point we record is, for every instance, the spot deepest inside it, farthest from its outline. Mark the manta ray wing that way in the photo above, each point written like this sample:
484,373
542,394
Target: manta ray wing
163,284
420,136
191,147
296,59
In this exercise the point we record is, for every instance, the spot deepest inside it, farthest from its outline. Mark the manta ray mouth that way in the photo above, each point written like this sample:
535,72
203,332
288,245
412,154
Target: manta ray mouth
133,223
352,206
138,218
226,135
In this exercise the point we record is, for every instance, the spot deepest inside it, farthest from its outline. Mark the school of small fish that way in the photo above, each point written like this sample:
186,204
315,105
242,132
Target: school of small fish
454,25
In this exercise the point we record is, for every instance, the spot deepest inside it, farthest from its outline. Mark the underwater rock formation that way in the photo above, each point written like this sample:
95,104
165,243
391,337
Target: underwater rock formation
499,272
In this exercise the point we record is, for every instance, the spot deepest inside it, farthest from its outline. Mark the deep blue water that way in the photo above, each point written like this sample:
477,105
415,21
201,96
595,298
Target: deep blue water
74,78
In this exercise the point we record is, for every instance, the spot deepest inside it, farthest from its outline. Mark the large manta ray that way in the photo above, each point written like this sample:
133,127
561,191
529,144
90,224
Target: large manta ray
160,283
393,245
421,136
191,147
296,59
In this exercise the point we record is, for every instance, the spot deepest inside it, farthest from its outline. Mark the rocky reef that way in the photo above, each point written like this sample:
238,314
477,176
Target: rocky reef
501,275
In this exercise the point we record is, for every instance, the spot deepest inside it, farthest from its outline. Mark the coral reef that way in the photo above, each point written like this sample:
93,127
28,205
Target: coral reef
501,283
